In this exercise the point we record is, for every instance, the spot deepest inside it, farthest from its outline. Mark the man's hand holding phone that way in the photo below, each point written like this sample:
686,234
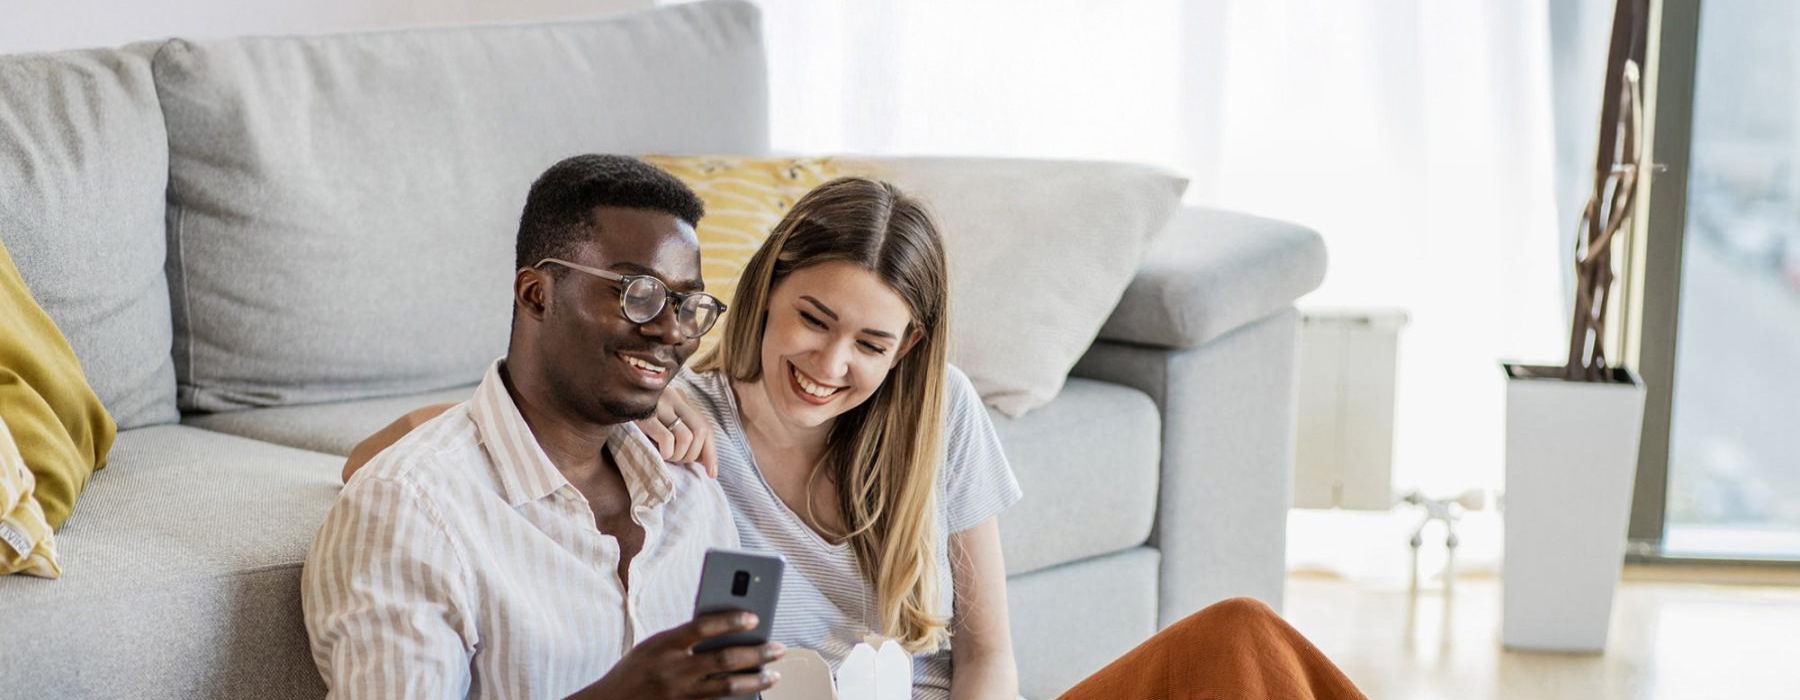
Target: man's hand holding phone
666,666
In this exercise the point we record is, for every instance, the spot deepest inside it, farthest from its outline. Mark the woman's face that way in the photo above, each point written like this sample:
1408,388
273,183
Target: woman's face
834,331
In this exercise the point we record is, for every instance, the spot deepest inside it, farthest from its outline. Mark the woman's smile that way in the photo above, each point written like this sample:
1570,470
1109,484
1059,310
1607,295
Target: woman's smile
813,392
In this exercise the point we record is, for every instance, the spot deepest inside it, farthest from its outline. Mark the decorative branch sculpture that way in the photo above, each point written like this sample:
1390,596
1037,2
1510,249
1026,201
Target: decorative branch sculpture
1612,204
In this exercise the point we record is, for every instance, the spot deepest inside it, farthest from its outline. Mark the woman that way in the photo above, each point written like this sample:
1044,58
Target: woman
846,442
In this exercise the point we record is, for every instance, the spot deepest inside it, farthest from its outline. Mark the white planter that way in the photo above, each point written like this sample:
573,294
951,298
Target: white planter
1571,459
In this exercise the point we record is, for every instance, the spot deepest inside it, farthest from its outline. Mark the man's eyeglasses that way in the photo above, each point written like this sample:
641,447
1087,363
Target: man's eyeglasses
642,298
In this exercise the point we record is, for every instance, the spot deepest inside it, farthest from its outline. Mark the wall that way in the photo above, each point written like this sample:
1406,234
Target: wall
48,25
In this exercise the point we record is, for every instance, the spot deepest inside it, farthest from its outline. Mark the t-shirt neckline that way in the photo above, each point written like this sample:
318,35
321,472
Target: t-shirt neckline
742,438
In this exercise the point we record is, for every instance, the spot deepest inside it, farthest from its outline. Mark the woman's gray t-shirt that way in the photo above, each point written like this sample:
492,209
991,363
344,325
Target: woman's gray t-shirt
827,605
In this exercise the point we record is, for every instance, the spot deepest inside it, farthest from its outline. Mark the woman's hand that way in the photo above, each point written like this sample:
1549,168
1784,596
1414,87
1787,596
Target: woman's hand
681,432
374,444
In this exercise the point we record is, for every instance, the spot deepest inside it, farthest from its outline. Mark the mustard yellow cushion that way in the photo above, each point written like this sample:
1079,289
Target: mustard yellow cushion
27,545
57,423
745,198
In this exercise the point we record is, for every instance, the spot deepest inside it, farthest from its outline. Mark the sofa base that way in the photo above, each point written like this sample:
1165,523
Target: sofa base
1072,620
181,576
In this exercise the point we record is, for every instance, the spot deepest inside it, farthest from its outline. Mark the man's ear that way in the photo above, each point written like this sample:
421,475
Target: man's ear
531,291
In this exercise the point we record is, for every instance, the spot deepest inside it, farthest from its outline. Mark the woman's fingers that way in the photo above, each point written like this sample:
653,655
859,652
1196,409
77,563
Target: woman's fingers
659,434
670,409
681,432
709,454
700,448
700,433
684,439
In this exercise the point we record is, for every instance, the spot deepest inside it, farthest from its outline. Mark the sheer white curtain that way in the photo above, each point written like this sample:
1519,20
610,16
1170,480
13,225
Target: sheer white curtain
1415,135
1051,78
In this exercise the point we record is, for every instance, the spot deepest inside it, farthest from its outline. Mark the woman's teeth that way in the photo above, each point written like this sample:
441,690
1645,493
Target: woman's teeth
640,364
812,388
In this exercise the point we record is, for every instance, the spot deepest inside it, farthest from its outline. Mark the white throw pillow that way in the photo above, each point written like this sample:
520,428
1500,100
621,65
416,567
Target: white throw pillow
1040,253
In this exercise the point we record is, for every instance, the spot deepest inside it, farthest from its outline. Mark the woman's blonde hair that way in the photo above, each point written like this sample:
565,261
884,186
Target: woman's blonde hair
883,455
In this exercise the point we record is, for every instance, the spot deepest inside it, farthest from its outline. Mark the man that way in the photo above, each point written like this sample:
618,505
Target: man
530,542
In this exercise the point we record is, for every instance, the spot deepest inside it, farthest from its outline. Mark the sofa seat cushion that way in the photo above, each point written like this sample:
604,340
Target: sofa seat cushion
332,428
181,575
1088,464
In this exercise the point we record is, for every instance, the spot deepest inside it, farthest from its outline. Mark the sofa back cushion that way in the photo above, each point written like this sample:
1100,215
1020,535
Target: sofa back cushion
343,209
83,167
1040,252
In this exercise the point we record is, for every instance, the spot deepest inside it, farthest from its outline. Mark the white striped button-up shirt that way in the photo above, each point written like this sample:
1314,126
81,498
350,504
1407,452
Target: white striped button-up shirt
460,562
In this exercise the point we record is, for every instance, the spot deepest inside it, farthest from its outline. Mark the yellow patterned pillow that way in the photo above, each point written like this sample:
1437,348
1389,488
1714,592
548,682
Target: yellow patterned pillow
27,545
56,421
745,198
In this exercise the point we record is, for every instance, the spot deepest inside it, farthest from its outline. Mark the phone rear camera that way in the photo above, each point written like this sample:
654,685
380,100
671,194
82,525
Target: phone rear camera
740,584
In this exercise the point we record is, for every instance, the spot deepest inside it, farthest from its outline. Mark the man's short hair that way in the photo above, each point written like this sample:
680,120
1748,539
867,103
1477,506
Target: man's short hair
559,211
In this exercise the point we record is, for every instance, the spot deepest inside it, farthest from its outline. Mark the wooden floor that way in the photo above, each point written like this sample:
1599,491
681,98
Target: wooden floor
1676,634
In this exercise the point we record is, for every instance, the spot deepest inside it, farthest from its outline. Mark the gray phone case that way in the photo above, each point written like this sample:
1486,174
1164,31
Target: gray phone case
738,580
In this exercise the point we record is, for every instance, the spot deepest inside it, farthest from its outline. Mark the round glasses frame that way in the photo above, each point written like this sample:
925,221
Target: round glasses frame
642,298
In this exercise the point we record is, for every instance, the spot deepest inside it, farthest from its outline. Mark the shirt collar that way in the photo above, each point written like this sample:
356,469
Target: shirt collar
646,474
526,473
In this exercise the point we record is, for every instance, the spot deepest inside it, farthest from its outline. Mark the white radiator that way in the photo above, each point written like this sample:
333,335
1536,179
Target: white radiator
1344,457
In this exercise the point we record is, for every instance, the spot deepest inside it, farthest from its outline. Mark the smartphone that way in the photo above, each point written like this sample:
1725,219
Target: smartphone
733,580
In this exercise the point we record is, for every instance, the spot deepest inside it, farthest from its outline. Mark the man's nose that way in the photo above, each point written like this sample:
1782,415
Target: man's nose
663,326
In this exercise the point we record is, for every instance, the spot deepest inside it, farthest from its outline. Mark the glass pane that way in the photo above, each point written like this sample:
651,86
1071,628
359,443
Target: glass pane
1734,443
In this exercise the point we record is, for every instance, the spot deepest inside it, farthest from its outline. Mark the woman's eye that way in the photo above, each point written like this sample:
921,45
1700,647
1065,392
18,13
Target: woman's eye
811,321
871,347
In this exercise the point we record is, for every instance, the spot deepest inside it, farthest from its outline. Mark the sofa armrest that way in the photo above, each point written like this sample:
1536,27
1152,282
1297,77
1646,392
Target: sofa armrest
1208,329
1228,410
1211,272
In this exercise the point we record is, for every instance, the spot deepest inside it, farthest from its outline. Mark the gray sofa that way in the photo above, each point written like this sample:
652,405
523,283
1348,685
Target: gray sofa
262,249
